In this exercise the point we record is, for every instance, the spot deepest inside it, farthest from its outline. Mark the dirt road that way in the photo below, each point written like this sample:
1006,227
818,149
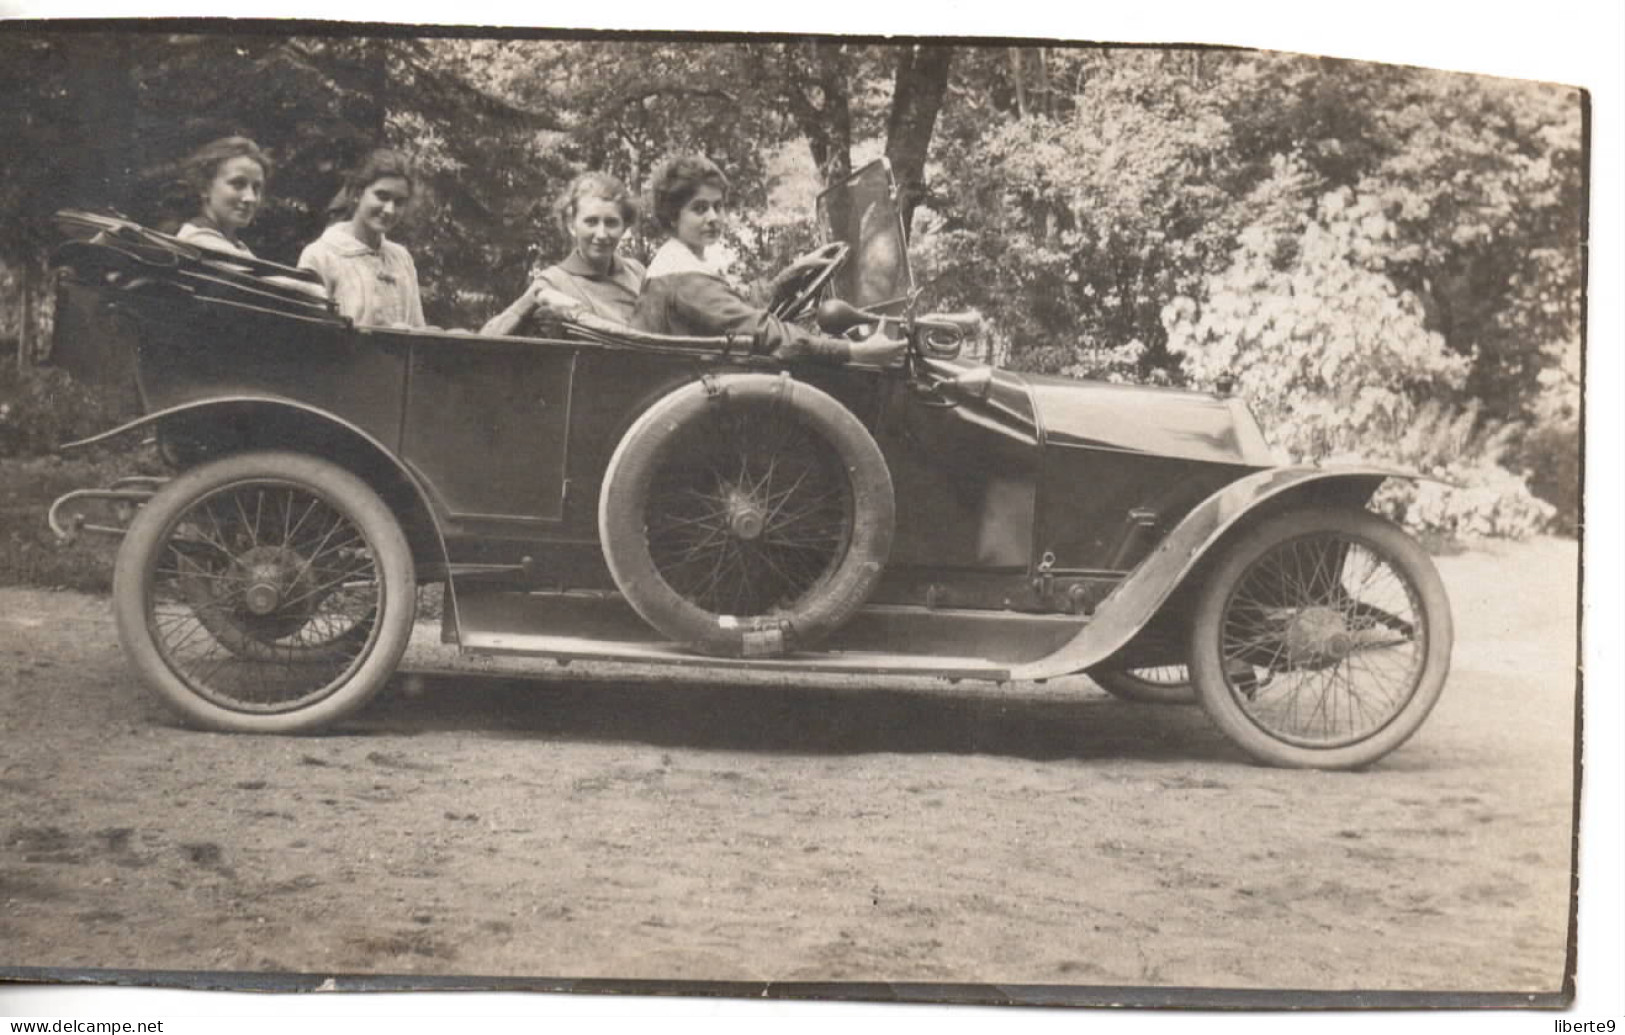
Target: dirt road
606,823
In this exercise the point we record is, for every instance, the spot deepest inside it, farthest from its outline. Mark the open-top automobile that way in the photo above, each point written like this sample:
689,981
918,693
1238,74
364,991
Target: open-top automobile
603,493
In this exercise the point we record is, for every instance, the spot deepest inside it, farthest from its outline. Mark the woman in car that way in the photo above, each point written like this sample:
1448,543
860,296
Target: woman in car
595,212
686,294
229,176
371,278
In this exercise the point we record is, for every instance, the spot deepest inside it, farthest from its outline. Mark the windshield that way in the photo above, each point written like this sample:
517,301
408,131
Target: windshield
863,212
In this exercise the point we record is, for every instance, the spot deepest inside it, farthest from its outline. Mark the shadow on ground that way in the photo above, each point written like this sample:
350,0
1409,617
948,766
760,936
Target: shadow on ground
799,719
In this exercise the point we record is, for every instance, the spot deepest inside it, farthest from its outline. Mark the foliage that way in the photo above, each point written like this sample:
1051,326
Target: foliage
42,407
29,553
1328,350
1072,232
1487,201
1548,456
1477,493
1338,363
1352,242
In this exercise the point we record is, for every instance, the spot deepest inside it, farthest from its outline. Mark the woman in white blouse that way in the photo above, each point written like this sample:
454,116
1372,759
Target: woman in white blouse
371,278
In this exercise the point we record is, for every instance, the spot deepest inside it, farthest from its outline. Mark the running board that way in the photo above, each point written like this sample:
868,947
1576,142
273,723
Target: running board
880,639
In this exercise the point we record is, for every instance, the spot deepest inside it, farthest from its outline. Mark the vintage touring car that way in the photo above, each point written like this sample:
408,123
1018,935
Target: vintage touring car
608,494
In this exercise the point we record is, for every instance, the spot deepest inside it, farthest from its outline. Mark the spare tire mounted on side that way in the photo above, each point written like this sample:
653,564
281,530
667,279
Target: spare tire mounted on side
746,514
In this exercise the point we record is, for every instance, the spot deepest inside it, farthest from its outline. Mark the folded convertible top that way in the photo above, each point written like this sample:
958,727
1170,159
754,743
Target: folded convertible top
120,252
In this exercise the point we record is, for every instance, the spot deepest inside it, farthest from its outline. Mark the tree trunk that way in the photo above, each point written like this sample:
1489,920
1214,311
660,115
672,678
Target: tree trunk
1045,106
827,120
921,84
1021,86
25,315
833,80
375,62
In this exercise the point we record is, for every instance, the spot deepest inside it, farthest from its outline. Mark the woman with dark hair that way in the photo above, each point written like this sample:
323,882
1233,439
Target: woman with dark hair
372,279
686,294
595,211
228,176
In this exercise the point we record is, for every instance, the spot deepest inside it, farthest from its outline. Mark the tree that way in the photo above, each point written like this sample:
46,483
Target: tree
919,86
815,80
1289,208
1070,193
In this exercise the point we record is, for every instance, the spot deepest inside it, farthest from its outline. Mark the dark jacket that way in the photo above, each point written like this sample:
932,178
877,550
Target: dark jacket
683,295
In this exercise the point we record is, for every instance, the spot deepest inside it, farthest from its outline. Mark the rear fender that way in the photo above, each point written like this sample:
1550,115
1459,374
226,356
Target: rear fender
274,422
1139,597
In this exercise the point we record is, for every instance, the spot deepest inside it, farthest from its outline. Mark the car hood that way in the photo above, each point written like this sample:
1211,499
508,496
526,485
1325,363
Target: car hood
1141,419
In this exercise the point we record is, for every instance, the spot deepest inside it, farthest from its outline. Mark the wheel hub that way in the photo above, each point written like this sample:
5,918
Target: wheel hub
271,577
746,518
1317,636
262,597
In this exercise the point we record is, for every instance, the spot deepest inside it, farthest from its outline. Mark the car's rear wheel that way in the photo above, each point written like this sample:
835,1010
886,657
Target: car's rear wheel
1322,639
265,593
746,515
275,638
1156,684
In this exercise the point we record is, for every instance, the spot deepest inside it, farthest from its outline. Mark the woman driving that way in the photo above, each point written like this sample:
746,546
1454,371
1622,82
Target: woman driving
685,293
595,212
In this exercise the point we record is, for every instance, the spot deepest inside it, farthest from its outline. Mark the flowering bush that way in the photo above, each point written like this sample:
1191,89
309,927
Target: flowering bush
1479,495
1339,364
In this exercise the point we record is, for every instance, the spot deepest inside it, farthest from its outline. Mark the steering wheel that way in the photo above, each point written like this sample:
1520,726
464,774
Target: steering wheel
801,281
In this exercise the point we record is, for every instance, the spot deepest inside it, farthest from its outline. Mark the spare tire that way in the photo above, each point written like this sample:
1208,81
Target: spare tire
746,515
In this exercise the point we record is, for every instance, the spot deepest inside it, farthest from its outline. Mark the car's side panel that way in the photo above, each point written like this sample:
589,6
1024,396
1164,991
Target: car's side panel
1103,510
486,422
88,341
524,469
610,389
189,351
965,479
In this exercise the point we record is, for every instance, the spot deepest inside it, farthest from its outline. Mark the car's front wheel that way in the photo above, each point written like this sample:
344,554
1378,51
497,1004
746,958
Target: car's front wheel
1322,639
265,593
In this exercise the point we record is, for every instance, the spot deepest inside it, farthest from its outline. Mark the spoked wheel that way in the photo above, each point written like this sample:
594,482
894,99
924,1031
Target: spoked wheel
1322,640
757,517
1156,684
319,619
746,515
265,592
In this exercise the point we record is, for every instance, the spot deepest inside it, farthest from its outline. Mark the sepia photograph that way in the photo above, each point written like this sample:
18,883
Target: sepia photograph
925,520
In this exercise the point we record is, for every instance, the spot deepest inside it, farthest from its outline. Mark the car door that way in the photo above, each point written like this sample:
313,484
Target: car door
486,424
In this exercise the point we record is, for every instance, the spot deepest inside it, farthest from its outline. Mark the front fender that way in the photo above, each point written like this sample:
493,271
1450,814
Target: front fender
1138,597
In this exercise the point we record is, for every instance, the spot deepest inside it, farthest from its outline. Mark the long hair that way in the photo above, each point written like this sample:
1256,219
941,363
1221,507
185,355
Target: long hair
595,185
677,181
204,163
378,165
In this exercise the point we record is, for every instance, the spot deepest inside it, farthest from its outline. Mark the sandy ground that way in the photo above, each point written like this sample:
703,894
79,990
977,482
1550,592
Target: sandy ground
600,822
